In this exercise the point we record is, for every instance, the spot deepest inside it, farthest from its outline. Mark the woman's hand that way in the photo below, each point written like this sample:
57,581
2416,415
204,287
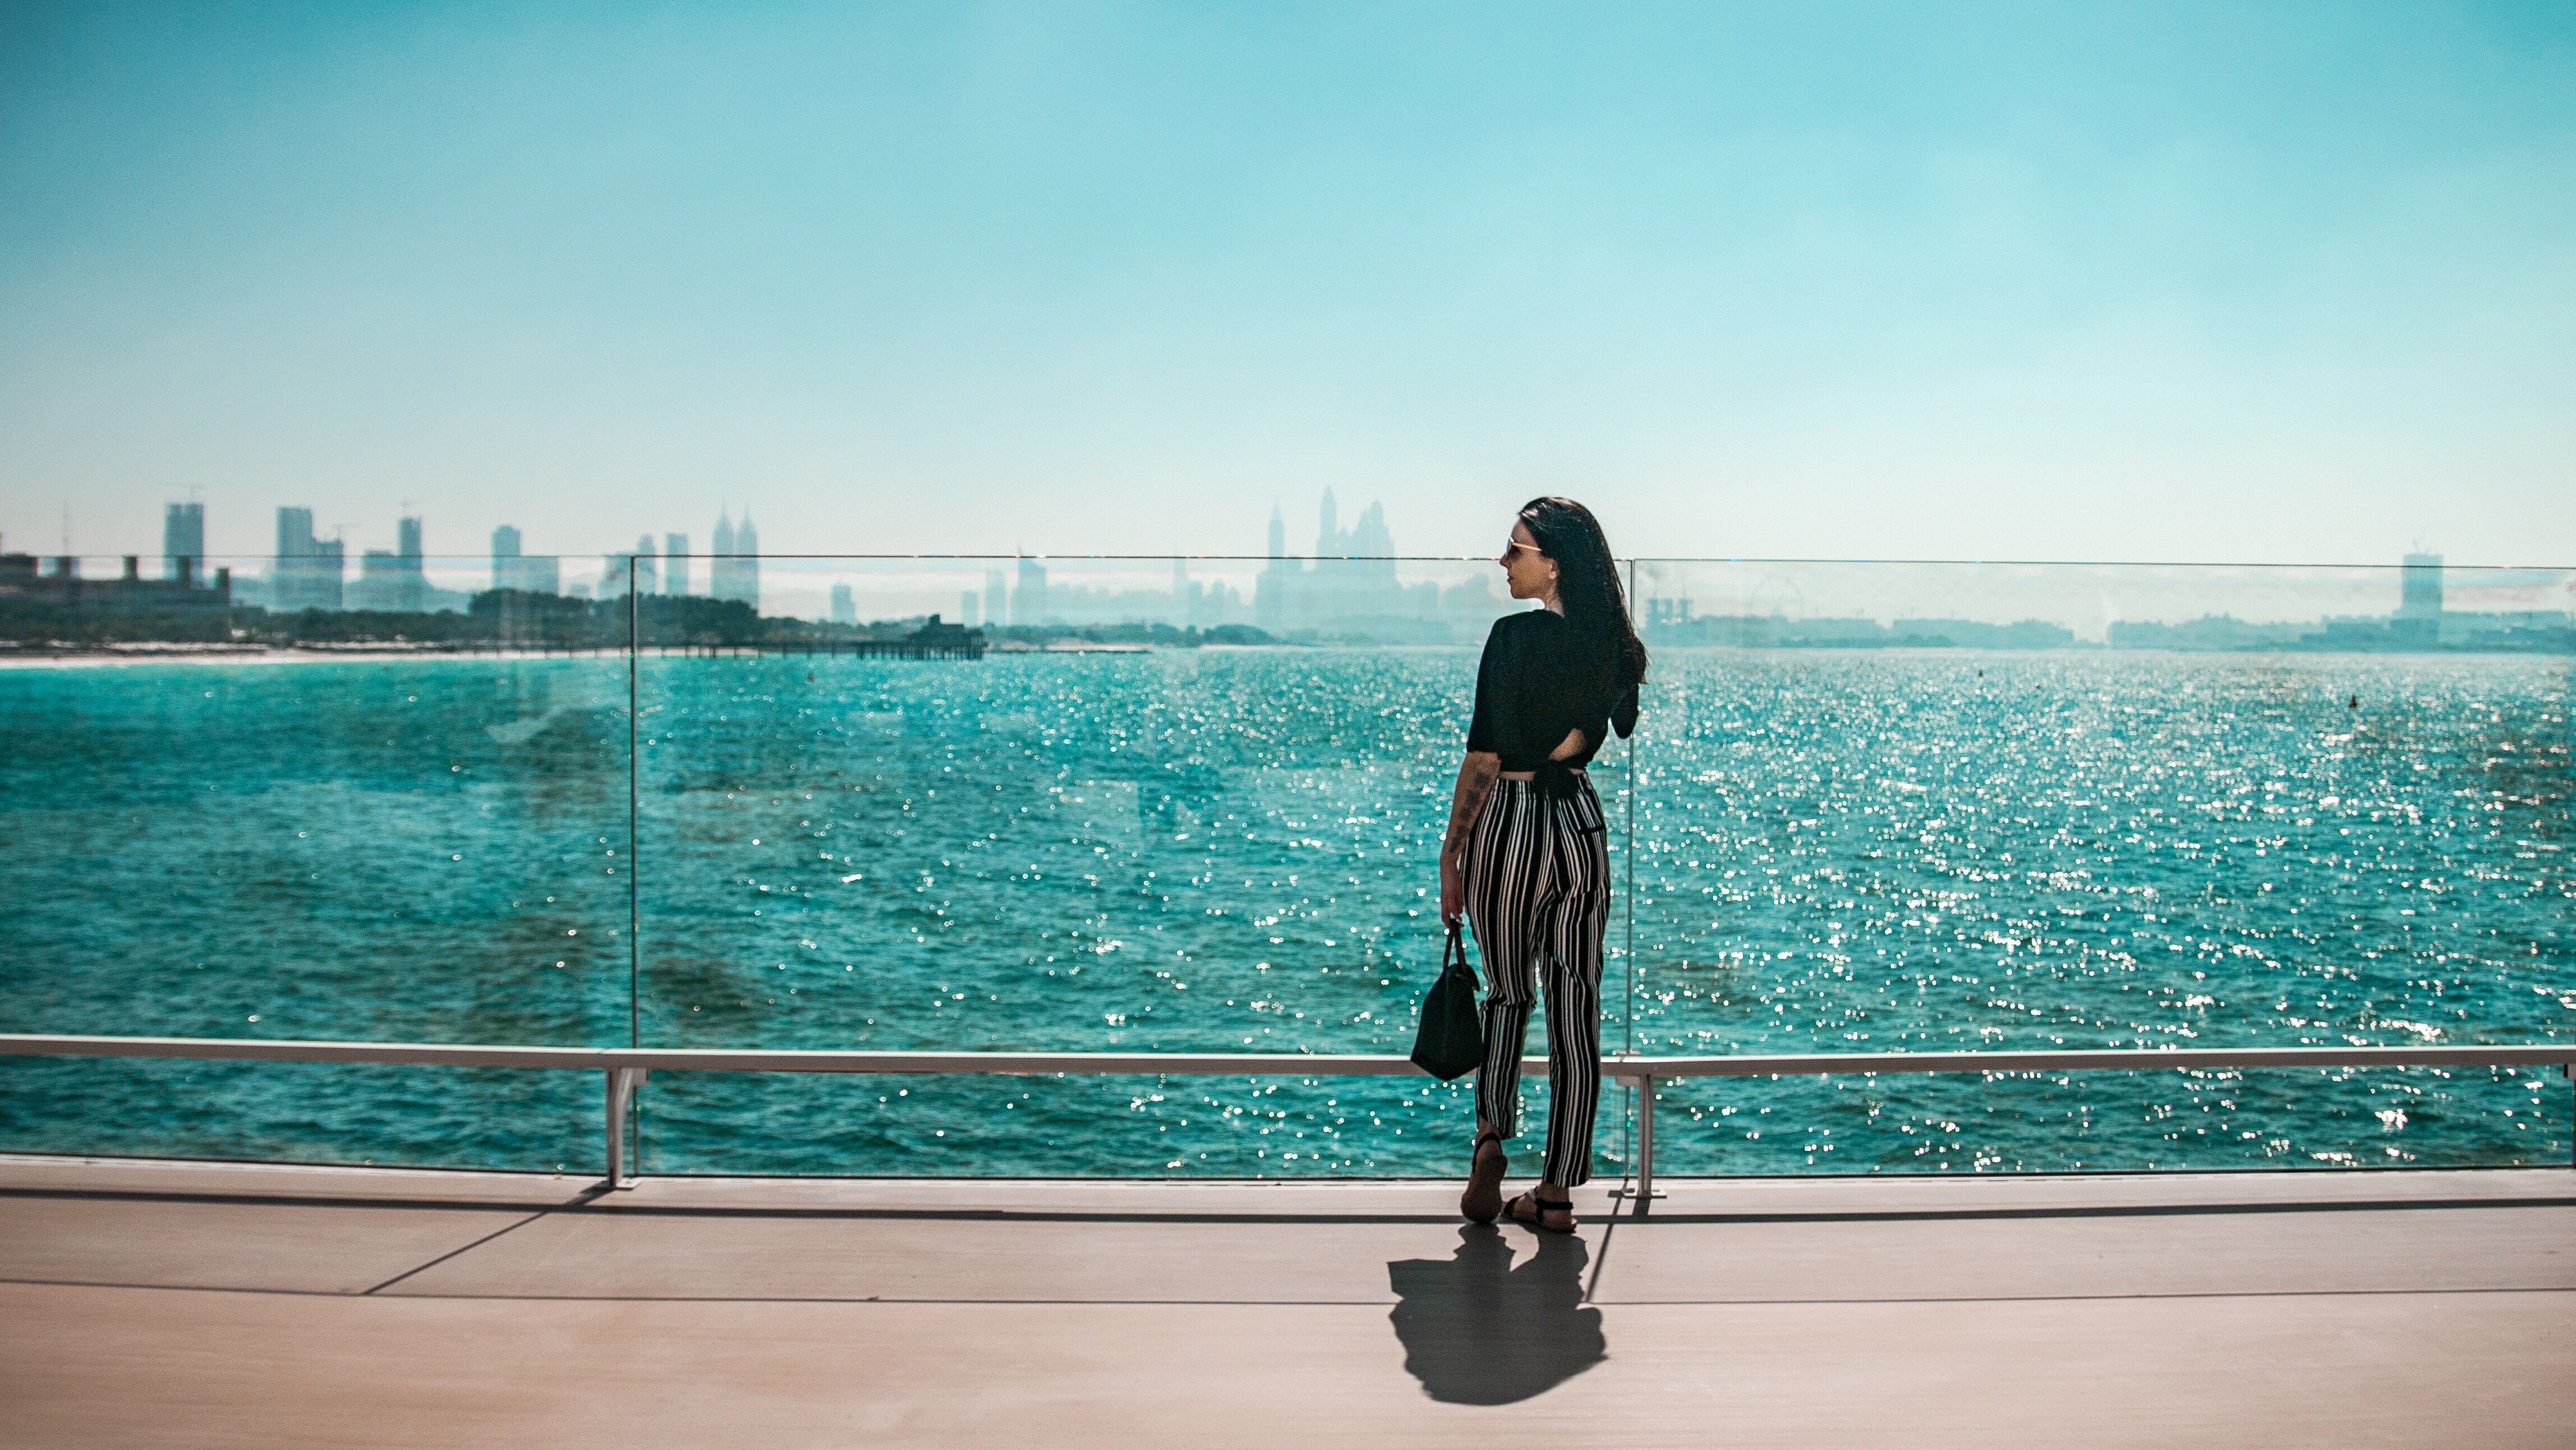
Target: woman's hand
1453,890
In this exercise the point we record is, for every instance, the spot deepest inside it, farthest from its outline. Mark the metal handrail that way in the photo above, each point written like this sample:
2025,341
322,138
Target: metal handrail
627,1067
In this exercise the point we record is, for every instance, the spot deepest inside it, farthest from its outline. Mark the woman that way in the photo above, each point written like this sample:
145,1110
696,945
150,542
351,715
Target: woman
1525,857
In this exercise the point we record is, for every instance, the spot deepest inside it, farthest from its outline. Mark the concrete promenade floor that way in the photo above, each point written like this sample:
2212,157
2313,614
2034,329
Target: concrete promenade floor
168,1304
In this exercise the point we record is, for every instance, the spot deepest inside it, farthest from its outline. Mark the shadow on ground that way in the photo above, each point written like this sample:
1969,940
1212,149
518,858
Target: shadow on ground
1477,1331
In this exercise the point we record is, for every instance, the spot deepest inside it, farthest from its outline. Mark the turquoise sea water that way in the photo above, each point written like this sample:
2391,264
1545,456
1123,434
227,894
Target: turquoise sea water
1232,850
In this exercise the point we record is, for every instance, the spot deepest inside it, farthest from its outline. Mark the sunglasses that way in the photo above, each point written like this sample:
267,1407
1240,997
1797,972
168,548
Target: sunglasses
1505,558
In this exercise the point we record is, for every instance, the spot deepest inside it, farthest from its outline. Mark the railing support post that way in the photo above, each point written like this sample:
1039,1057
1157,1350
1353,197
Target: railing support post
1645,1143
622,1083
1644,1193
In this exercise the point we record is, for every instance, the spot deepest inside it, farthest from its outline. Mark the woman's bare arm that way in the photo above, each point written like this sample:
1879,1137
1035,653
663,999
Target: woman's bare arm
1476,777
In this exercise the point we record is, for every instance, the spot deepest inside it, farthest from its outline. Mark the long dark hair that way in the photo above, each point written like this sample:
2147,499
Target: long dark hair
1587,584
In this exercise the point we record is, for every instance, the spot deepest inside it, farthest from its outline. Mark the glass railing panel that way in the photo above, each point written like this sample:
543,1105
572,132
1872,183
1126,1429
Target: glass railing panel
1047,1127
1166,808
405,823
1954,807
284,1112
2115,1121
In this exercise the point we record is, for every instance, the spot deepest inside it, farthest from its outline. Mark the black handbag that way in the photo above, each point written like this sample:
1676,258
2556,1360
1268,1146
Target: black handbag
1451,1040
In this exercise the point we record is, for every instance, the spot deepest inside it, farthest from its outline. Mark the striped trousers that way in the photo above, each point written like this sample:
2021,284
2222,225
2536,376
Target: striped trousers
1538,895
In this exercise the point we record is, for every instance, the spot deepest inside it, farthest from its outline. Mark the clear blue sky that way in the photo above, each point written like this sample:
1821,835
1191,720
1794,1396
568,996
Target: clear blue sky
2265,282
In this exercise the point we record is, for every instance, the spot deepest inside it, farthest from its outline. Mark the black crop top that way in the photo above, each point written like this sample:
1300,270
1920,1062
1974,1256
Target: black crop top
1531,689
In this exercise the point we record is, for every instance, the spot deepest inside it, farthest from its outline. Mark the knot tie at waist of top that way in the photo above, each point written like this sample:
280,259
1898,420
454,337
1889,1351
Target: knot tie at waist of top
1556,780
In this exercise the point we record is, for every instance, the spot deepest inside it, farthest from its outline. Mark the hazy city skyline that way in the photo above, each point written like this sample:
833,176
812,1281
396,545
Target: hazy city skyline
1355,586
1349,577
1951,281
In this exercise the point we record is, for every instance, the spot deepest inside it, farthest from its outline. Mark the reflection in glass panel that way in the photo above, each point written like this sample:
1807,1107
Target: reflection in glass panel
1920,807
390,824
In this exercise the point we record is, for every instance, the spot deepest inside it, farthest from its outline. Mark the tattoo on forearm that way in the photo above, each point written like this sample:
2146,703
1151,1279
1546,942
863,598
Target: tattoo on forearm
1476,777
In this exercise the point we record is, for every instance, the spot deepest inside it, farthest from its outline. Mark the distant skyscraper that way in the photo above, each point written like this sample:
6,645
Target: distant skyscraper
2419,588
379,585
647,570
675,563
845,610
410,585
1351,578
505,557
535,574
306,572
997,596
966,609
1270,590
734,572
720,567
1370,539
1029,601
391,579
183,541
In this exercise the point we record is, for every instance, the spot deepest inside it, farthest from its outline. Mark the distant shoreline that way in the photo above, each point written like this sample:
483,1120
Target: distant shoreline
222,655
265,655
96,658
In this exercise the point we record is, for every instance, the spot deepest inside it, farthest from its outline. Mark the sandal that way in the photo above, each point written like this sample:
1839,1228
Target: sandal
1532,1211
1483,1200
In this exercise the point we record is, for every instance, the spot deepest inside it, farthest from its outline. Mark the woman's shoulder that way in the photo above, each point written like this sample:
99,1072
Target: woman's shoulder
1518,635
